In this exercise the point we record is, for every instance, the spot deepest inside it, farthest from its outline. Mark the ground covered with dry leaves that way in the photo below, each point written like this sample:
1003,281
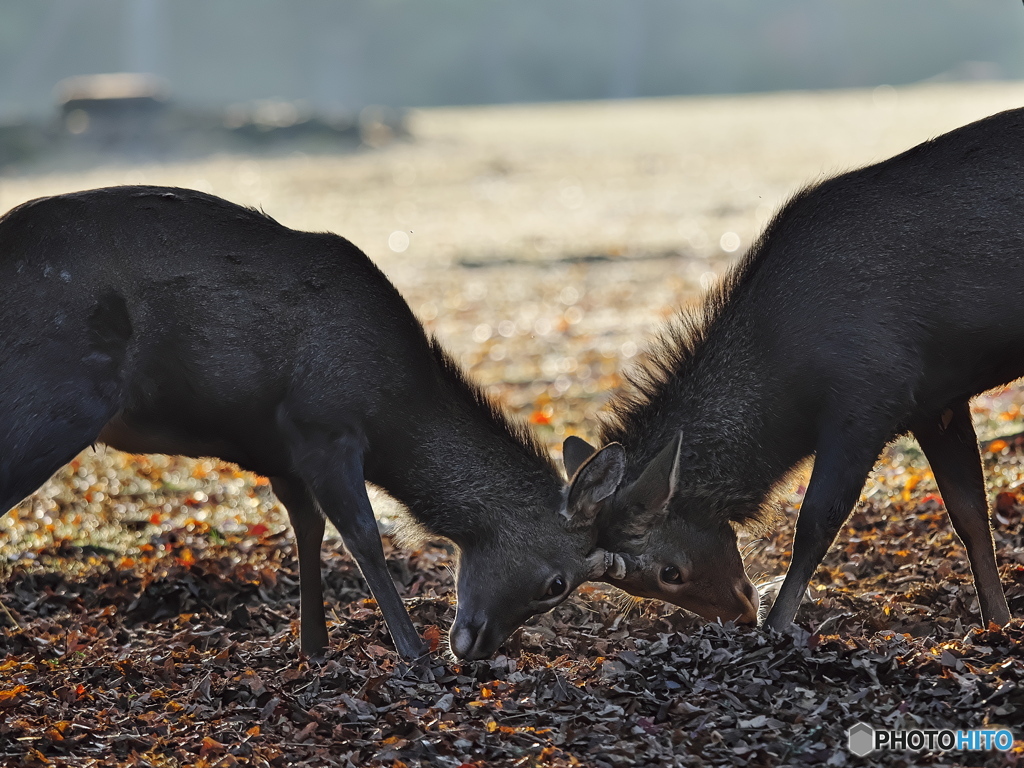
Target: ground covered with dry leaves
184,652
153,601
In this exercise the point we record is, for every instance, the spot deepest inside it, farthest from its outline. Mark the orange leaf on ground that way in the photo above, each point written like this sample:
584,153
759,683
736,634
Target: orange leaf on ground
433,636
210,745
12,692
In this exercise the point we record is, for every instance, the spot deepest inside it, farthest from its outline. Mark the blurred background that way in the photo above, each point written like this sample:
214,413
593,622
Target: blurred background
266,69
545,180
338,57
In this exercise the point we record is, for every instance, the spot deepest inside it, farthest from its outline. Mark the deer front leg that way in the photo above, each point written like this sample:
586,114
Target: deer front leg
840,468
308,527
343,498
331,466
951,447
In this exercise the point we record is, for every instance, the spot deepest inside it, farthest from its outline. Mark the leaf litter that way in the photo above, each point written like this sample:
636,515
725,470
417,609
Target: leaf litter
165,634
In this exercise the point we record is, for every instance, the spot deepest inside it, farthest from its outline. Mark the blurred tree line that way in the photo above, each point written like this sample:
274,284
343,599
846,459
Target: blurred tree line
344,54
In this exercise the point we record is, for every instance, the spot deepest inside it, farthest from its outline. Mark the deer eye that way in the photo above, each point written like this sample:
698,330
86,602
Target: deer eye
555,588
671,575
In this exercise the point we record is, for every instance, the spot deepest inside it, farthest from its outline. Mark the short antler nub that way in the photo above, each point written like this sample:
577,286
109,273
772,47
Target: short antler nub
603,563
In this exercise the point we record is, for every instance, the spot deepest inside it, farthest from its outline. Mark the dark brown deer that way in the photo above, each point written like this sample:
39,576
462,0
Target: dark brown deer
169,321
875,304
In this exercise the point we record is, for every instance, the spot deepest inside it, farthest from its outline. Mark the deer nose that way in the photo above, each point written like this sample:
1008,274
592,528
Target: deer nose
748,597
467,638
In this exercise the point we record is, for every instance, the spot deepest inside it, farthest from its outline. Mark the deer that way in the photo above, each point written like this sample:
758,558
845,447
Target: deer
165,320
875,304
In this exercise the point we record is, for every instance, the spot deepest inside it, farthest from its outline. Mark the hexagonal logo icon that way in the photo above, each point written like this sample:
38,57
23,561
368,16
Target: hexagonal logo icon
861,739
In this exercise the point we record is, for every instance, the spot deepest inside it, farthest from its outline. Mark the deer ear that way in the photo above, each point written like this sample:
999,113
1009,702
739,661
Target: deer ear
593,482
650,492
575,451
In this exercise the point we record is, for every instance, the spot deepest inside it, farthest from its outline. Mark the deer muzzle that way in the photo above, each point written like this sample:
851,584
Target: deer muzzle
471,639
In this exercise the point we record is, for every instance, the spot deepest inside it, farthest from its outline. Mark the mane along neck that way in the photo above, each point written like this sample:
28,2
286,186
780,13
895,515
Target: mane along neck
711,374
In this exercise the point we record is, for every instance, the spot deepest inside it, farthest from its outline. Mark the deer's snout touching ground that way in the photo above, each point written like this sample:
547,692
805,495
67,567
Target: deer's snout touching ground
738,602
469,639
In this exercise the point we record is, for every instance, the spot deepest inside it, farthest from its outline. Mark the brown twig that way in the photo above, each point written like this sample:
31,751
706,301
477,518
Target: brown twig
11,616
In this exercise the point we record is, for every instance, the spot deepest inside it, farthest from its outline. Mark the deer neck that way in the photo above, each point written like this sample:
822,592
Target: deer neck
742,428
463,470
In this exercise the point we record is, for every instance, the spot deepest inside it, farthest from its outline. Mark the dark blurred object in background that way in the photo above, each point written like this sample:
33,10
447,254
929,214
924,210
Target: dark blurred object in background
132,116
118,112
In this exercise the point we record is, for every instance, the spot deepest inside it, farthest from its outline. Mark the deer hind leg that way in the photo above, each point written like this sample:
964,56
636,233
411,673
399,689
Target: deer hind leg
951,447
308,526
57,394
45,425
